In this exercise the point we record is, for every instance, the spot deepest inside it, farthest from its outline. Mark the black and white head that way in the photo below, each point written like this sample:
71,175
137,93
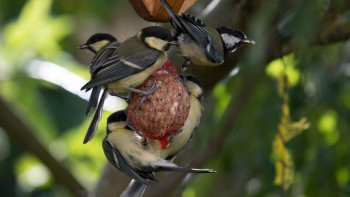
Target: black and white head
117,120
156,37
233,38
98,41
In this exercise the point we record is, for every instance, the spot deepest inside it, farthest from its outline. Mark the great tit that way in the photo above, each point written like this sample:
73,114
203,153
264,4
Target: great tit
177,142
96,44
120,67
200,44
134,154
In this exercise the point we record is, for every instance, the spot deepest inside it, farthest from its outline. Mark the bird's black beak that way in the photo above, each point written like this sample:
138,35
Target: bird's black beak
248,41
83,46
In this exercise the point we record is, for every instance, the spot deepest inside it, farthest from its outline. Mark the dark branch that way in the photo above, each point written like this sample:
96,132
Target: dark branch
23,134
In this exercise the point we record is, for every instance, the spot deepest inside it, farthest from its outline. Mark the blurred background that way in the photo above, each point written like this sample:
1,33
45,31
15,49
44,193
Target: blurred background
276,119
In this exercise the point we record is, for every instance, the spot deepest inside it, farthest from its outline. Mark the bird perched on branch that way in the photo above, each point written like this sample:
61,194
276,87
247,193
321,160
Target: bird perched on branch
200,44
120,67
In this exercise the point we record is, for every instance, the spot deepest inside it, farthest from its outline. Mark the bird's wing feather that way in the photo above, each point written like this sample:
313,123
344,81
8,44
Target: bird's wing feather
174,18
103,54
188,24
164,165
112,154
96,119
195,28
93,100
121,66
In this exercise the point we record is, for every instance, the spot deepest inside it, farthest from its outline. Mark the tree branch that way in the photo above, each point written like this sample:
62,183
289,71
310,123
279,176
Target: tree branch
22,133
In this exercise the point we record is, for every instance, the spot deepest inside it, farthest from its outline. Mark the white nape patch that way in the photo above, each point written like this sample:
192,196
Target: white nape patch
230,40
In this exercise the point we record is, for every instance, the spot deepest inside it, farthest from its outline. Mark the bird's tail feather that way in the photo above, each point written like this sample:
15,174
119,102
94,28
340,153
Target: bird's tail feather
96,119
182,169
165,165
173,16
93,99
134,189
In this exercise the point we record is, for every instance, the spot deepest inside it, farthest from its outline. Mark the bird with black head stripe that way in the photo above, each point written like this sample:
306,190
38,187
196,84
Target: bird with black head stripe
202,45
120,67
139,157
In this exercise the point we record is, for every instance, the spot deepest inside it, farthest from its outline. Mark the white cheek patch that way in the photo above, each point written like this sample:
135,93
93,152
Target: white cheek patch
98,45
230,40
116,125
156,43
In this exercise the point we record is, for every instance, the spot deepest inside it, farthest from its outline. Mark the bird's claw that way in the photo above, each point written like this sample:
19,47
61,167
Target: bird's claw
150,90
184,67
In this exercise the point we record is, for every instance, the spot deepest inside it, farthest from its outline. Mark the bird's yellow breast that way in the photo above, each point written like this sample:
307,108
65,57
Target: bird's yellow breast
179,141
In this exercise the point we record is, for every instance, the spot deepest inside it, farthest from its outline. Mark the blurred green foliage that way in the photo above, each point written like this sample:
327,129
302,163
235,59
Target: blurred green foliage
50,30
56,115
